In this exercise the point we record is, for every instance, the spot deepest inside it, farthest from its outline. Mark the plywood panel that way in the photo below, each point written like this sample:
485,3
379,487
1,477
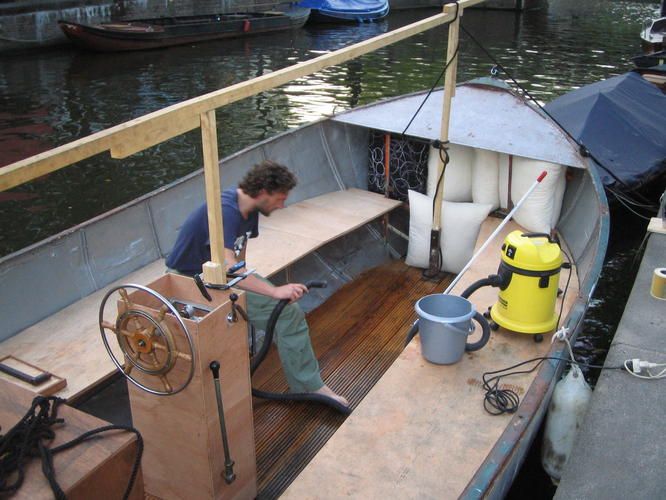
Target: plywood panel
184,455
68,343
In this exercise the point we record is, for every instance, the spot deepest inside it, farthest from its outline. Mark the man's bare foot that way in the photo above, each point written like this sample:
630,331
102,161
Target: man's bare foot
328,392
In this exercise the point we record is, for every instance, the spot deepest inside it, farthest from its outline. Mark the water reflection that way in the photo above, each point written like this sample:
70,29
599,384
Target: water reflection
56,96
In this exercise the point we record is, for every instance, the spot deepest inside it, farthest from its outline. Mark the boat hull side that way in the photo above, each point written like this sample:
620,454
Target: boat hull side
73,264
584,225
101,40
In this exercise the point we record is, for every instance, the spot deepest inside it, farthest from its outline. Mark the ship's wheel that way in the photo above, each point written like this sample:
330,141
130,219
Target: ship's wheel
158,353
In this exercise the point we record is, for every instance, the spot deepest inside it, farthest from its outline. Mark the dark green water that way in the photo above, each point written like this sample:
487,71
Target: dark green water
56,96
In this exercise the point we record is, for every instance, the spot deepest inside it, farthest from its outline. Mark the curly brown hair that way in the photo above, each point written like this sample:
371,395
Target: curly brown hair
267,175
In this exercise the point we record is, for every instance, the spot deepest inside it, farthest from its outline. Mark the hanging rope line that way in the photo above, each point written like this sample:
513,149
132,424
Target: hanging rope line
29,438
645,203
441,75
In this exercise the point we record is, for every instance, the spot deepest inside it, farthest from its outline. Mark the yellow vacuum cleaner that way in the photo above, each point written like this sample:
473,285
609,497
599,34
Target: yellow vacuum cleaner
528,279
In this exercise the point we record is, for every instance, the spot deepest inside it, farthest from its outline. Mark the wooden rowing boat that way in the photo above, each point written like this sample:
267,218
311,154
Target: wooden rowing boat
155,33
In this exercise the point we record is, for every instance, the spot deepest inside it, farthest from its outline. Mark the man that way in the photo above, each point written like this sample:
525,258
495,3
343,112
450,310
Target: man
264,188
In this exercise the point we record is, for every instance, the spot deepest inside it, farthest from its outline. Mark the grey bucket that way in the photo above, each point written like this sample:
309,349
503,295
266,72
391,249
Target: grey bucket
445,321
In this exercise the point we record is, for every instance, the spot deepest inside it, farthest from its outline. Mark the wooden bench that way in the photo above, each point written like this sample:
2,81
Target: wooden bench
68,343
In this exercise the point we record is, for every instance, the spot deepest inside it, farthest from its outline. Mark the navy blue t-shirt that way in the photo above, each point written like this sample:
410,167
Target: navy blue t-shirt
192,247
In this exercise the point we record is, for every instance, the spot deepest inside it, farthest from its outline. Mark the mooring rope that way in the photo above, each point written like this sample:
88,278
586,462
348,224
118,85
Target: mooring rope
29,438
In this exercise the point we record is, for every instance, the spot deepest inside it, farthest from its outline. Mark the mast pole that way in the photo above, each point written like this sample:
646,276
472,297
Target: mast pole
449,91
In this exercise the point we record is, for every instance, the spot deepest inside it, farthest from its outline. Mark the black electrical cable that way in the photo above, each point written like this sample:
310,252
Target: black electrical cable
27,439
525,91
499,401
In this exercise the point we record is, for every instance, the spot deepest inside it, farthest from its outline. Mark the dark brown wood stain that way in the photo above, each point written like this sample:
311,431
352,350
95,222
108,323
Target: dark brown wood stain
356,334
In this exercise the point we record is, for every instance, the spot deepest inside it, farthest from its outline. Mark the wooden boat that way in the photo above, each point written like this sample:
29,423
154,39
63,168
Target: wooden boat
346,11
143,34
418,429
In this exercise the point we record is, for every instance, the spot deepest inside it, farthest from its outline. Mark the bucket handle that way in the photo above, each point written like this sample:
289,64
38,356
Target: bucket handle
469,347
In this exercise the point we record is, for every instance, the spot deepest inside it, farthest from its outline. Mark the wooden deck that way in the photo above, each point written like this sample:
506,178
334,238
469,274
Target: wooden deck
356,334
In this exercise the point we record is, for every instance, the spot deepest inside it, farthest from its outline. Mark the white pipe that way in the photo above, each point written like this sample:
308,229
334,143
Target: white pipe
496,232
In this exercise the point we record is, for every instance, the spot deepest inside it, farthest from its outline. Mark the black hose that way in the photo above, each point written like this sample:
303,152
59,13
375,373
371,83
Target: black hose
261,355
485,333
492,280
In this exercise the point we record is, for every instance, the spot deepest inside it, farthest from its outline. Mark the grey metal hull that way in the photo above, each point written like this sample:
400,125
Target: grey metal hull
328,155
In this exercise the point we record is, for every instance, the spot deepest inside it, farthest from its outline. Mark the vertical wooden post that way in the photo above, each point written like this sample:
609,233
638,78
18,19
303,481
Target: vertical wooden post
213,271
449,92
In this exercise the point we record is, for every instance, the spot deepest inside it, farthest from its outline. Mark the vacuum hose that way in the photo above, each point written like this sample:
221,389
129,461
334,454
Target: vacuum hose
261,355
493,280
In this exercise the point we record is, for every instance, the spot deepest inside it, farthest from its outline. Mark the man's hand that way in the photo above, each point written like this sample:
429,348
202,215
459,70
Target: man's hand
291,291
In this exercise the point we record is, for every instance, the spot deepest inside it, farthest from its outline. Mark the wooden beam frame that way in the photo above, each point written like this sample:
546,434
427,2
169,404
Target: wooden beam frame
151,129
154,128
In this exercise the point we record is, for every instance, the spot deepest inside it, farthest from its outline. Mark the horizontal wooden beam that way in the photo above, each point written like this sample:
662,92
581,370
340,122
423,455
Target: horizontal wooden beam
151,129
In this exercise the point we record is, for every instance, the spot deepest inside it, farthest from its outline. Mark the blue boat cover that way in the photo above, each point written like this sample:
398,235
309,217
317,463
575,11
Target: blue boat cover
347,6
622,122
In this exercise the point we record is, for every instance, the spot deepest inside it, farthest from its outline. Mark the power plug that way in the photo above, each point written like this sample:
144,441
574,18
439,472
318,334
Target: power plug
638,365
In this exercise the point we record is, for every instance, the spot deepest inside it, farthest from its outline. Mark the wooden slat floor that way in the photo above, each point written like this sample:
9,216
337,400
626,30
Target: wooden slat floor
356,335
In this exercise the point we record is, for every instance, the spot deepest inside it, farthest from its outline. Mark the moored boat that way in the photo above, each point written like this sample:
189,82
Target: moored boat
144,34
490,127
652,34
337,11
620,121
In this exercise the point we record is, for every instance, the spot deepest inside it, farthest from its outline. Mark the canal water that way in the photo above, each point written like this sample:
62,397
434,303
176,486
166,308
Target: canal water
51,97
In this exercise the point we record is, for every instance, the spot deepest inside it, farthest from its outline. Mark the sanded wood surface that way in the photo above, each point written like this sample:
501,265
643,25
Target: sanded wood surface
50,386
184,457
68,343
356,335
96,468
422,431
291,233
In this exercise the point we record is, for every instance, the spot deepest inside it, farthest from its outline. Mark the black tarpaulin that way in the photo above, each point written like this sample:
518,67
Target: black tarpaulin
622,122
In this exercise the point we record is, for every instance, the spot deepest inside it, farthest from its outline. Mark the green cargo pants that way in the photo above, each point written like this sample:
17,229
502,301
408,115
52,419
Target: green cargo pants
292,337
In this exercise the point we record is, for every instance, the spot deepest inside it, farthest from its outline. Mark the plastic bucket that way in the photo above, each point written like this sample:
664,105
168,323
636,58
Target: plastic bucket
445,321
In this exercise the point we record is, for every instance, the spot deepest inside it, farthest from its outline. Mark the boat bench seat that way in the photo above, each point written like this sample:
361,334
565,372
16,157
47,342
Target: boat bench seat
68,343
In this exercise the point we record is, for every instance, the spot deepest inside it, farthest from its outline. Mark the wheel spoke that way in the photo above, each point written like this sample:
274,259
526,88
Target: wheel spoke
108,326
167,385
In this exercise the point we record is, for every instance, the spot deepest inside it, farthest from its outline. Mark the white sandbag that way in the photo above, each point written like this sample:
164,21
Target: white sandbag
461,223
420,225
458,175
485,177
537,212
559,197
504,181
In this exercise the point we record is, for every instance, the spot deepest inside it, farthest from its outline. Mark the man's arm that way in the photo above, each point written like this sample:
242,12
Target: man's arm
291,291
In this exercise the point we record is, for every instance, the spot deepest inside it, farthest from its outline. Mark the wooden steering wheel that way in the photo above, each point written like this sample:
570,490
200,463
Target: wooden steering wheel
153,339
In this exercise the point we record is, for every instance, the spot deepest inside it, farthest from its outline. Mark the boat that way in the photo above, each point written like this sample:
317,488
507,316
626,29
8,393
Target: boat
620,121
155,33
417,428
652,34
346,11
